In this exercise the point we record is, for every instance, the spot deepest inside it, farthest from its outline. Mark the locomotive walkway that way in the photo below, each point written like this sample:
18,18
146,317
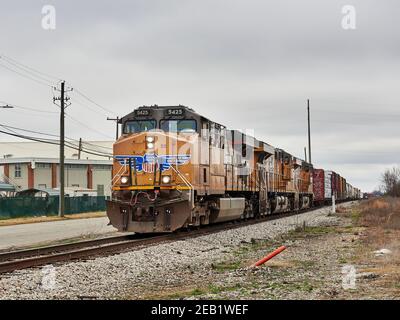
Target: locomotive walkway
33,234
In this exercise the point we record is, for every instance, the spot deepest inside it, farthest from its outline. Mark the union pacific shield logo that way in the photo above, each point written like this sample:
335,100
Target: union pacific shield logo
150,162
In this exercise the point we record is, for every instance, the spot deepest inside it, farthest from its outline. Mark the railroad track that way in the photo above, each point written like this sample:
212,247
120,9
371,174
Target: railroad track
22,259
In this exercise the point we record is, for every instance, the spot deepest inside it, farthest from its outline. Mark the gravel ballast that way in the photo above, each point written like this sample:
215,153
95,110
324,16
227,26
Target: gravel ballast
166,265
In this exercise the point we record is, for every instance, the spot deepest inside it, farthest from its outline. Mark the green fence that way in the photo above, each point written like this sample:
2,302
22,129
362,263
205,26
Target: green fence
34,206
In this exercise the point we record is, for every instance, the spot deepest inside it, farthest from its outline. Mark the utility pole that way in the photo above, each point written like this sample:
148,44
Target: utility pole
80,149
305,154
63,99
117,122
309,131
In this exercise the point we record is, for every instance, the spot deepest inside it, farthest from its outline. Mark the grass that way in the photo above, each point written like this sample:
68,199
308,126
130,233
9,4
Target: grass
380,221
304,285
307,264
305,231
383,212
226,266
179,293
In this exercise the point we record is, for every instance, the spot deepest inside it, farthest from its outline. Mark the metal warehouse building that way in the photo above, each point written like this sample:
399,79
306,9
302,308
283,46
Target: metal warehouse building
43,173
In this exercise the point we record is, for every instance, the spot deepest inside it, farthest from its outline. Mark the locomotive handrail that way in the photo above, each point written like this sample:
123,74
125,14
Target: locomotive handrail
187,183
117,175
183,177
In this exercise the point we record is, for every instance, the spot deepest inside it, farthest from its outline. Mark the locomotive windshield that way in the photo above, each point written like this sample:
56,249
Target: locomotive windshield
135,126
188,126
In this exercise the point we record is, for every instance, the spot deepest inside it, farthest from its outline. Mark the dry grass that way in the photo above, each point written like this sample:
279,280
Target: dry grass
381,219
11,222
381,212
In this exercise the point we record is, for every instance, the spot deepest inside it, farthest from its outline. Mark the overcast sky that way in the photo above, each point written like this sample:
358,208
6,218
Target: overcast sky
246,64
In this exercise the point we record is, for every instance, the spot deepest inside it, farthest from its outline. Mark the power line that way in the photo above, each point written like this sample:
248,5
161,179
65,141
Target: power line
27,108
44,79
54,142
25,76
8,59
26,70
37,76
87,127
51,135
94,102
86,106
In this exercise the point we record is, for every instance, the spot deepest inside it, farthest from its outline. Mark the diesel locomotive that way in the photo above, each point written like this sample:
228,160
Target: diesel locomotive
174,168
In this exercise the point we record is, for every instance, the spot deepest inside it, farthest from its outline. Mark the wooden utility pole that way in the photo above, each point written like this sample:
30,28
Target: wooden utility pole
305,154
61,210
309,131
62,99
80,148
117,122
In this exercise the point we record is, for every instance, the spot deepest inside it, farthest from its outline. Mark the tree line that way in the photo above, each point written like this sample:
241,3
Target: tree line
391,182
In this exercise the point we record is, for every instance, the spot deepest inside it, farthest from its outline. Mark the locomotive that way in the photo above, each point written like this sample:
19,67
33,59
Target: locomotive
174,168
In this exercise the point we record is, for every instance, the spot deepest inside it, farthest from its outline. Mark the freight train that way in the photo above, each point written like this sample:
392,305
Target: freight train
174,168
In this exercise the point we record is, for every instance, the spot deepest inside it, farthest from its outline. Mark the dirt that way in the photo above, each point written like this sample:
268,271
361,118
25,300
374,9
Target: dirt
335,261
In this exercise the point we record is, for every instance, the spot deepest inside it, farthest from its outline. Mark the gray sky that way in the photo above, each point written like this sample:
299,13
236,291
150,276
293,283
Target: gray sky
246,64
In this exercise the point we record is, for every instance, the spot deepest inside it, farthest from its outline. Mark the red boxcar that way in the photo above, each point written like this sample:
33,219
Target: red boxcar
319,185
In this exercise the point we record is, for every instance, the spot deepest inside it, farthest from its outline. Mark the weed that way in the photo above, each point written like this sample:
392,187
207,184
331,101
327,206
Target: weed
225,266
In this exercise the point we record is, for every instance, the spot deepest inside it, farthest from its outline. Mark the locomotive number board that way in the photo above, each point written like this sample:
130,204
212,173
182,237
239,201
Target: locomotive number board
142,113
177,112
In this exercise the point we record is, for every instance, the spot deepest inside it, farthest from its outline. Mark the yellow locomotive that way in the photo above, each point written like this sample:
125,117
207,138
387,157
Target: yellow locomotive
174,168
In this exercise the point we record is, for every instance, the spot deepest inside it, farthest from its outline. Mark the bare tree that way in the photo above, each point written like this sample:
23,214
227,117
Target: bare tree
391,181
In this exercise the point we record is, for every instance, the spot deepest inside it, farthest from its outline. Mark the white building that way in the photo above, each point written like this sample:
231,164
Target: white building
36,165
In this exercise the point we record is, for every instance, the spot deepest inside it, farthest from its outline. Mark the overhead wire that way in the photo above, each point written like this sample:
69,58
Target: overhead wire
44,79
12,128
54,142
28,67
25,76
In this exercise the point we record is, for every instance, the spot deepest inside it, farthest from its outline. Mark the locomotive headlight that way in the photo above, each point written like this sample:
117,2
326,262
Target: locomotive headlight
150,139
166,179
150,145
124,180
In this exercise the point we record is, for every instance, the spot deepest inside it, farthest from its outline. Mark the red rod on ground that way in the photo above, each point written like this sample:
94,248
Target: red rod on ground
271,255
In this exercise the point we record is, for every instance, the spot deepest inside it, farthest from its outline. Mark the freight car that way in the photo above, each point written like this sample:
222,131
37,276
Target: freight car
328,183
174,168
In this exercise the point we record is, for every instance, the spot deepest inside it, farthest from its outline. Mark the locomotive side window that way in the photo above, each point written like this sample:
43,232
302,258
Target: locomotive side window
139,126
185,126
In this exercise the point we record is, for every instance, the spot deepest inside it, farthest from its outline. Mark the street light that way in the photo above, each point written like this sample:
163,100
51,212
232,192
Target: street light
6,107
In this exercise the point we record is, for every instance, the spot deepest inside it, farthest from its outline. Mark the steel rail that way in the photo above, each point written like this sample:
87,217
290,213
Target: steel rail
24,253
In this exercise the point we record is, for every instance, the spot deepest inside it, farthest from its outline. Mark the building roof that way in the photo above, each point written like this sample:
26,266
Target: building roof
54,160
21,149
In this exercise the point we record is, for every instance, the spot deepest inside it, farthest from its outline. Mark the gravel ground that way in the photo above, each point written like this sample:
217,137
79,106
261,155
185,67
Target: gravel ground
176,269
